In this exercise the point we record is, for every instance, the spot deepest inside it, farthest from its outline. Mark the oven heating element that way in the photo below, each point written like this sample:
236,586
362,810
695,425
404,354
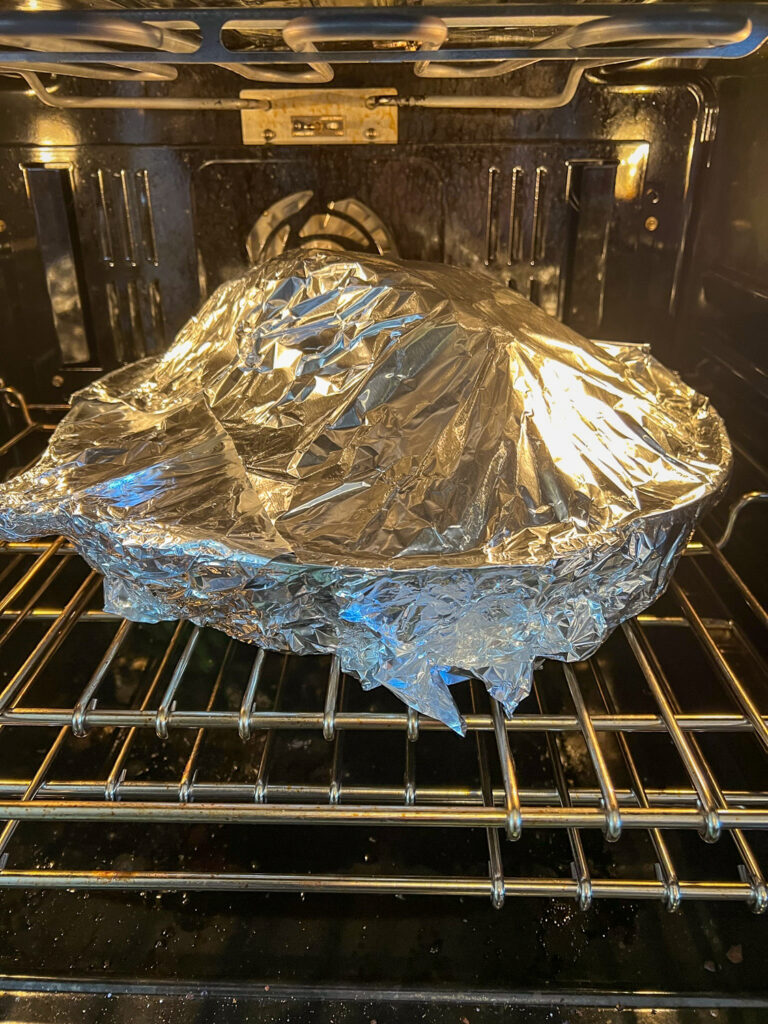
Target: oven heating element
446,43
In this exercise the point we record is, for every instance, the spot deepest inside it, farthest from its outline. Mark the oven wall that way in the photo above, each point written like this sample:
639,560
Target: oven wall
723,329
590,210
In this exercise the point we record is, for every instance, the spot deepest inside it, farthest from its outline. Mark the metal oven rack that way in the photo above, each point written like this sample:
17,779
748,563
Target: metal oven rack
646,765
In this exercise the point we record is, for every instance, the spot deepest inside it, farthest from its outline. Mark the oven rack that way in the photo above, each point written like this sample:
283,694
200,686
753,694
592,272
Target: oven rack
579,719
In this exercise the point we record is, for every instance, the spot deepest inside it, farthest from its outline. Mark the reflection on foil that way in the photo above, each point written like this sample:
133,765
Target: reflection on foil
402,463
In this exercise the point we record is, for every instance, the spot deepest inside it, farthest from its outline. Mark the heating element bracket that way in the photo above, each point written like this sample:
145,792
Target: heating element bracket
314,117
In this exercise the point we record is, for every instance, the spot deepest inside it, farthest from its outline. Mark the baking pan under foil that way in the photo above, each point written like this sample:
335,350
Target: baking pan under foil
405,464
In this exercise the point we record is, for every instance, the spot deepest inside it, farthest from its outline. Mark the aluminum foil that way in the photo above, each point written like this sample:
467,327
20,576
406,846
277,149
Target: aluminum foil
405,464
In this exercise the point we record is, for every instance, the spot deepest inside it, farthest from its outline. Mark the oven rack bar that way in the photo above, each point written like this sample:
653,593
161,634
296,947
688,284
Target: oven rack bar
375,721
400,885
616,798
136,791
43,613
419,816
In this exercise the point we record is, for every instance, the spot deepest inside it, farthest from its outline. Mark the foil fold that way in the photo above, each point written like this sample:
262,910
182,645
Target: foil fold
403,464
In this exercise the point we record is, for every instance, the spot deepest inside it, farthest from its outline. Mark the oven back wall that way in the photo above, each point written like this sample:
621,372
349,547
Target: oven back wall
586,210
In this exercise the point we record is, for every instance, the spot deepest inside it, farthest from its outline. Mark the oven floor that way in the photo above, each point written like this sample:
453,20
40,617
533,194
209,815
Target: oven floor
207,1009
322,952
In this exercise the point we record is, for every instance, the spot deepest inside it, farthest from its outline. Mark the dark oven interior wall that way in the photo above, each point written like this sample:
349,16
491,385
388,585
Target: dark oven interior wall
723,329
589,210
605,270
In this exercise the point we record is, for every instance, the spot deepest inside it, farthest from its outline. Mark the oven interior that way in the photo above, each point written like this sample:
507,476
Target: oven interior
186,815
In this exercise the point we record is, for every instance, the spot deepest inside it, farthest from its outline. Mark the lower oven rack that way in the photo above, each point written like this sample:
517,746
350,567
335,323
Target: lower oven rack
127,749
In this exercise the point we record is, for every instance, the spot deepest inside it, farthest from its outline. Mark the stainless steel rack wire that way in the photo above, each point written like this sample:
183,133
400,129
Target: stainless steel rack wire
103,701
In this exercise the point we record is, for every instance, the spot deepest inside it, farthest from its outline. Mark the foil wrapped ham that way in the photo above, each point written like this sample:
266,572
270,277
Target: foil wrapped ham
404,464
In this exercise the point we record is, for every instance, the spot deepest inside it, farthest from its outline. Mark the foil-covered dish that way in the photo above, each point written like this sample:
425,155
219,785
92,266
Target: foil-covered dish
405,464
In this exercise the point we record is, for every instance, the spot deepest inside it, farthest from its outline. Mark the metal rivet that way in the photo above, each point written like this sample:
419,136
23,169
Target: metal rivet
185,789
710,833
57,381
514,824
672,895
413,725
651,223
584,893
497,893
759,898
370,134
268,135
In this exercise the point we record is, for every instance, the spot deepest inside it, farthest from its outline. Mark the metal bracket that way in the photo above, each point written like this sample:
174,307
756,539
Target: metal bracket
316,117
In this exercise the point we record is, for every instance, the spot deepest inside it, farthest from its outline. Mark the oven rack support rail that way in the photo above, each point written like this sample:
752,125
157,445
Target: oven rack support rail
283,46
719,812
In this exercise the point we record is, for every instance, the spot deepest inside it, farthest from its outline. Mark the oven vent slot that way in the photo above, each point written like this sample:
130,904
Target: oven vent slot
590,195
126,219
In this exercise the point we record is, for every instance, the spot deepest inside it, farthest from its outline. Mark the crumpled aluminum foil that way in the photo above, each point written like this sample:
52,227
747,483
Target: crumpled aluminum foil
402,463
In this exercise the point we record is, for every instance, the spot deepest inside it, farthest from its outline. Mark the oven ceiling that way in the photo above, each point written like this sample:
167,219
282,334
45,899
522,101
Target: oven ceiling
90,5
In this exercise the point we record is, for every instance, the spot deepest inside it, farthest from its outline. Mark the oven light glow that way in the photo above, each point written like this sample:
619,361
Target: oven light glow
630,172
53,133
43,5
637,155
